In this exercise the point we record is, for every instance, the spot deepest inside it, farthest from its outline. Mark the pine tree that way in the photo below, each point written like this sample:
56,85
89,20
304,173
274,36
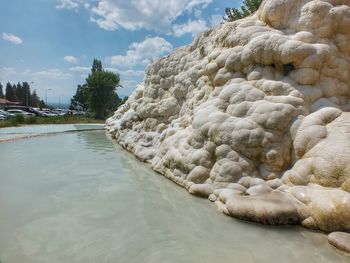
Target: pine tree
34,100
26,93
42,104
249,7
96,66
10,92
20,93
1,91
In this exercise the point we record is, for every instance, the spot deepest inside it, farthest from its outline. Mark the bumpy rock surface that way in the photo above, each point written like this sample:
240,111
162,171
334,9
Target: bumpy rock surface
254,115
340,240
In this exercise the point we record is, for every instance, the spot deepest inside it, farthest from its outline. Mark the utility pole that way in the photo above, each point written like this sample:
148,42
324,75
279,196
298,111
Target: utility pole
59,101
27,91
46,96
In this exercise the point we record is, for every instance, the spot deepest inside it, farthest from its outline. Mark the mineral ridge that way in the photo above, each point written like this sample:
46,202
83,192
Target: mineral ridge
254,115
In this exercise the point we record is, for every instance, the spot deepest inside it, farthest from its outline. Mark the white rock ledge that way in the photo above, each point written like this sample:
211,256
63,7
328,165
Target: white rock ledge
340,240
254,115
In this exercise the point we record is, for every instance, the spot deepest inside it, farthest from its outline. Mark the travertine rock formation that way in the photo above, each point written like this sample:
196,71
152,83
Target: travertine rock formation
340,240
254,115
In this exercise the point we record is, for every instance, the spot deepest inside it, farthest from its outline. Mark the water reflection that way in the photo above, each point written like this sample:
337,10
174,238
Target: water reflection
49,128
95,141
83,199
190,228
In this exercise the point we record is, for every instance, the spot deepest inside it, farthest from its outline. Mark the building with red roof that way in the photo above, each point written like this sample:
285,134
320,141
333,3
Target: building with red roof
4,102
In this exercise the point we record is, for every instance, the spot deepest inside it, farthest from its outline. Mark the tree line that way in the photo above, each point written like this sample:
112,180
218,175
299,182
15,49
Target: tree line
98,94
21,93
248,7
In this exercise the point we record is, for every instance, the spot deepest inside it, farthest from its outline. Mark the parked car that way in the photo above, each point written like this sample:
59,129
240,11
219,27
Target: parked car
6,114
51,113
41,113
79,113
24,113
23,108
61,112
38,112
3,117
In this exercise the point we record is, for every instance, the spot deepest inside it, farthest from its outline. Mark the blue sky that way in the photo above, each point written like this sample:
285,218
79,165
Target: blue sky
52,42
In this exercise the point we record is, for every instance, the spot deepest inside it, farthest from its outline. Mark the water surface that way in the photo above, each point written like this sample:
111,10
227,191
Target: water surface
77,197
27,131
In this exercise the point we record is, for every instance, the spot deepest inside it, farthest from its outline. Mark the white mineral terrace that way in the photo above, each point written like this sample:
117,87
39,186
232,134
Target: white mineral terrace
254,115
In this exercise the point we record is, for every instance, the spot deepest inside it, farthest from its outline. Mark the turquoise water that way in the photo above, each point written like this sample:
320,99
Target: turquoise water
27,131
77,197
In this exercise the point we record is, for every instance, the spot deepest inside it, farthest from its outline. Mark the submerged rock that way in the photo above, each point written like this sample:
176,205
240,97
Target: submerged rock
254,115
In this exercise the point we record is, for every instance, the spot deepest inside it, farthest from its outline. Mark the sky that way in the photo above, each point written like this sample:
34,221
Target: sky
52,43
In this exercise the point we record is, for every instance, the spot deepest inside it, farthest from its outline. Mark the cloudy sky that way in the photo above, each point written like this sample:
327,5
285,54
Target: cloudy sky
52,42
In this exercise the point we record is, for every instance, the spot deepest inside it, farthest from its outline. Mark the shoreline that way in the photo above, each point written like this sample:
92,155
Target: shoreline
13,122
220,206
13,136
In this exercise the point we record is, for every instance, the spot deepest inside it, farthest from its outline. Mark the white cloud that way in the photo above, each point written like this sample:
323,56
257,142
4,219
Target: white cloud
130,73
130,83
67,4
133,73
71,59
12,38
149,14
11,74
52,74
128,79
197,13
80,69
216,20
128,86
6,73
142,53
191,27
138,56
194,3
58,81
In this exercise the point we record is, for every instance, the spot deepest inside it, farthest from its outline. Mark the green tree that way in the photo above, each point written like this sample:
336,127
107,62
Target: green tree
96,66
10,92
1,95
42,104
117,101
19,92
101,88
34,100
249,7
123,101
80,99
26,93
98,95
